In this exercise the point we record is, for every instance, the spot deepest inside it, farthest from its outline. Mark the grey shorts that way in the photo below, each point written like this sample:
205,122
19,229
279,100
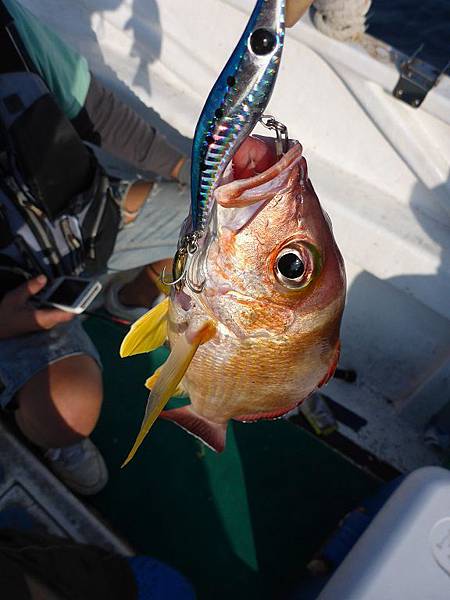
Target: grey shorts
152,236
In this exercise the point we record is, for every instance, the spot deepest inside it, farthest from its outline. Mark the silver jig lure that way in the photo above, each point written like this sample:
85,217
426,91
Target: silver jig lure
235,104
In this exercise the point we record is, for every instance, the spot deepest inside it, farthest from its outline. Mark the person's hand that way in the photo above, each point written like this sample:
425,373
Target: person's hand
182,170
252,157
18,316
295,9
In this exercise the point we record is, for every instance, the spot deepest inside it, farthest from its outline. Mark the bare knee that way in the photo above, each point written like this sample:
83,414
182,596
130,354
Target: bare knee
61,404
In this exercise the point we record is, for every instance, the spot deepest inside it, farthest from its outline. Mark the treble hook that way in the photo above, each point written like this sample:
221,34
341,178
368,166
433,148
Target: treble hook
170,282
282,139
182,264
196,288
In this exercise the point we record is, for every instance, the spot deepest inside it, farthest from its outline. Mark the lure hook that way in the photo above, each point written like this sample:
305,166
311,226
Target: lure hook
196,288
182,262
171,282
281,132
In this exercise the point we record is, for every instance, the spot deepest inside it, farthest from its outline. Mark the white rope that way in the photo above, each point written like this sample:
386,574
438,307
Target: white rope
343,20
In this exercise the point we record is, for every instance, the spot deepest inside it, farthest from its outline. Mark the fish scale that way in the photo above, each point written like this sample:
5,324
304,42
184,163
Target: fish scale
220,383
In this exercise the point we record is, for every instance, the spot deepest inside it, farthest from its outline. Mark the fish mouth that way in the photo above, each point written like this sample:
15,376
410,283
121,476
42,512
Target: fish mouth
236,191
244,198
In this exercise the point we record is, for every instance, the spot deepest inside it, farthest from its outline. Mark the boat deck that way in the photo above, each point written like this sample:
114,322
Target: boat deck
241,524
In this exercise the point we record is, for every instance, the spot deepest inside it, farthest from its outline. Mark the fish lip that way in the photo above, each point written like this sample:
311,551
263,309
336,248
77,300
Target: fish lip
237,220
228,193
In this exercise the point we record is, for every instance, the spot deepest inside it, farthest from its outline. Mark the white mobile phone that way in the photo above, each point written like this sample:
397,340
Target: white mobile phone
72,294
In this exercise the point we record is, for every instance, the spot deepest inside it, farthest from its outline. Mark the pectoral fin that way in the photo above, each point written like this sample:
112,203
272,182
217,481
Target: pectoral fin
147,333
170,376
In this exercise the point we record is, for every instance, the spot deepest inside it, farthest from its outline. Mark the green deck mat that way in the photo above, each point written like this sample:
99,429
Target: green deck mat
242,524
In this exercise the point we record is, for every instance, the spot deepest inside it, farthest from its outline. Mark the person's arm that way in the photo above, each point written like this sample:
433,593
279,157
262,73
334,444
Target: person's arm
96,113
18,316
109,123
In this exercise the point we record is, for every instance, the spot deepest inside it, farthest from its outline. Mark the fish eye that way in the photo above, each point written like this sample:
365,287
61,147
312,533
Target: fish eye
294,266
290,265
262,41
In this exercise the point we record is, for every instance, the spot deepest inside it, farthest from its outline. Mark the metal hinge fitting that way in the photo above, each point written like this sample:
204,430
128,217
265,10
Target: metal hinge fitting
416,79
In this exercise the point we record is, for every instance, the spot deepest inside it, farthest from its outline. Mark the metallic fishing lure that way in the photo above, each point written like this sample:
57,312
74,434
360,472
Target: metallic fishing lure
235,104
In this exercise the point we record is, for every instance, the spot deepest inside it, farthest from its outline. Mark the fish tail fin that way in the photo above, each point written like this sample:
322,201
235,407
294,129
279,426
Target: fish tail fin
211,434
147,333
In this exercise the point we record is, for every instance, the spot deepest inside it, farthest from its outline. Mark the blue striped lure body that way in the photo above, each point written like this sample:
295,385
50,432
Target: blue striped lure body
235,104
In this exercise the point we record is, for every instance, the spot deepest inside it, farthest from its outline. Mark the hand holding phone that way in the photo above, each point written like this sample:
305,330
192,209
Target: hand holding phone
19,317
71,294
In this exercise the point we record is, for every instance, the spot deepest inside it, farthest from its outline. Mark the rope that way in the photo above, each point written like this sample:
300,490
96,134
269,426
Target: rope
344,20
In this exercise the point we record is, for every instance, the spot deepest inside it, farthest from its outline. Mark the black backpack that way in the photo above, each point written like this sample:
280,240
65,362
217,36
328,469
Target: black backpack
59,211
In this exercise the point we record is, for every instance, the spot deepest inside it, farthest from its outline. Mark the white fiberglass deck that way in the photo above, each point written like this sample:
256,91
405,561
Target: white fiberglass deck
380,167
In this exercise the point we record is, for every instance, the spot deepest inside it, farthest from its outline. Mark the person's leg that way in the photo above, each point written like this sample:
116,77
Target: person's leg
52,380
134,199
152,219
143,289
61,404
57,409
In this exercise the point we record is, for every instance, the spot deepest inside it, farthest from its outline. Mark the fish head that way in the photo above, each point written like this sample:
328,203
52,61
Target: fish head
273,266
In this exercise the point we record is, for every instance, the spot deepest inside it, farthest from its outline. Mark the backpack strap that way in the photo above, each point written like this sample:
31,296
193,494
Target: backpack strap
15,56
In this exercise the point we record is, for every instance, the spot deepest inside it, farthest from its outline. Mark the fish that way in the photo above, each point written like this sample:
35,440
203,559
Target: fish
235,104
263,334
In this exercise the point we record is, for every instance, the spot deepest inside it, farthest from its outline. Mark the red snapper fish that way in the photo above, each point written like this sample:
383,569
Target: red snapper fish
263,333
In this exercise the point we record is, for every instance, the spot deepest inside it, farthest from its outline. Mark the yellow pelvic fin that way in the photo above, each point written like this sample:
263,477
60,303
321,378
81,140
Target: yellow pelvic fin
151,381
147,333
167,380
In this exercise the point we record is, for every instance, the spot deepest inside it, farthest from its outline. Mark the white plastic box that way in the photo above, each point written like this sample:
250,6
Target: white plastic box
405,552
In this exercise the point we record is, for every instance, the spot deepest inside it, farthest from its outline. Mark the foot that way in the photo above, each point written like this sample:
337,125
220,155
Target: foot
80,466
115,306
146,287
